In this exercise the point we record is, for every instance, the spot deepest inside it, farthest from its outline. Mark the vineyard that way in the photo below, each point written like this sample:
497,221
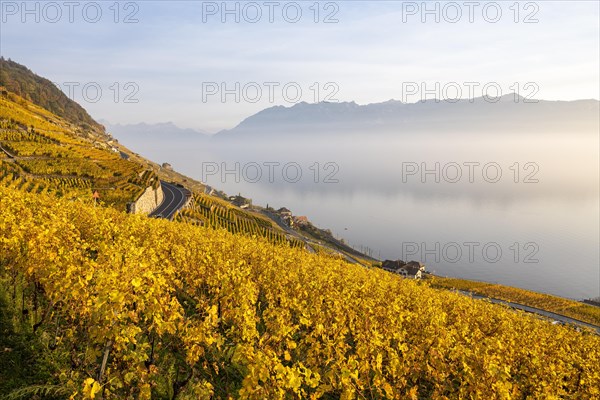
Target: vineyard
43,153
122,306
215,213
570,308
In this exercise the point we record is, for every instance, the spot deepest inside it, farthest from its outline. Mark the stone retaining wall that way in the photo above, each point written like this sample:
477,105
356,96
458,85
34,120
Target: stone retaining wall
148,201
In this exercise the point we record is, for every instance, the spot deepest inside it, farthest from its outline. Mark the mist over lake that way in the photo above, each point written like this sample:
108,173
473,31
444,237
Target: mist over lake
519,209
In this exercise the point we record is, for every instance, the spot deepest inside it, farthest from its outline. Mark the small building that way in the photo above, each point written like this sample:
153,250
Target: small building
287,216
301,221
284,212
167,166
411,269
240,201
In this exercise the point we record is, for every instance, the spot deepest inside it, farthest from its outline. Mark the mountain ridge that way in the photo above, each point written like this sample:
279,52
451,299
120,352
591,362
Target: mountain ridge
510,111
148,128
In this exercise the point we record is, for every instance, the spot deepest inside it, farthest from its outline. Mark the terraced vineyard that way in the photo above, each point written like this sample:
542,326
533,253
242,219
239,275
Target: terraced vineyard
43,153
216,213
119,306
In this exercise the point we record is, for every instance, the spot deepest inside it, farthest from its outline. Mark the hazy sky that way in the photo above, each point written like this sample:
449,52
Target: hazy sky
174,57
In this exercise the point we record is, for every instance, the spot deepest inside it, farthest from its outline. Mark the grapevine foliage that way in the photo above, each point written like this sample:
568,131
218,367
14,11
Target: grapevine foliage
179,311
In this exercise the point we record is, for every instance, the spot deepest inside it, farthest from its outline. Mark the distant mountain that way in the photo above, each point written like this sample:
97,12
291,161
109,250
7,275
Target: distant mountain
165,130
507,113
159,142
20,80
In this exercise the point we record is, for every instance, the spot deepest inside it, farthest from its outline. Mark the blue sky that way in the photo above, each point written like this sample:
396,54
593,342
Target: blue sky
177,48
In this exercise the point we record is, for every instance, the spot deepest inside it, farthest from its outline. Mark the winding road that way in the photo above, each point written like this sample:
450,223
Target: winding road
175,197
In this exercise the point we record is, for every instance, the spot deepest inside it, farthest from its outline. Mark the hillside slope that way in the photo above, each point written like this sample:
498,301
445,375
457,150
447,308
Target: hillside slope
73,157
42,152
129,307
17,79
